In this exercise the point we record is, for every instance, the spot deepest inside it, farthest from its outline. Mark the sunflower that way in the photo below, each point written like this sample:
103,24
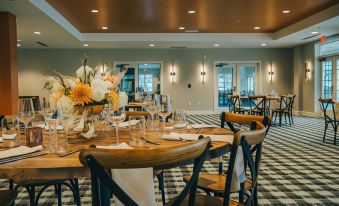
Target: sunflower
81,94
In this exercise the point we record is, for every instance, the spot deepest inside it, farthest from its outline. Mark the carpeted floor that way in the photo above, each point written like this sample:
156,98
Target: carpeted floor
297,168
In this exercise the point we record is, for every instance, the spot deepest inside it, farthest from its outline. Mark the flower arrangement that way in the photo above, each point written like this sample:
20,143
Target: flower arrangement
88,88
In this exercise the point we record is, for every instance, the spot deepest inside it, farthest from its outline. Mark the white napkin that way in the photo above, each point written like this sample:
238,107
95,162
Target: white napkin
239,175
199,126
192,137
9,136
89,134
19,151
128,179
126,124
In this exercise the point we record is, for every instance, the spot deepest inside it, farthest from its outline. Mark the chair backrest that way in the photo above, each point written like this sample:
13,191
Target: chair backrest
136,113
246,140
234,102
258,103
325,105
231,118
159,158
286,102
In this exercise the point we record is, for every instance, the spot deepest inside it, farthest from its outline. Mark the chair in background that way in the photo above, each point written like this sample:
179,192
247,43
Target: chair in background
7,197
100,160
251,144
258,105
136,113
326,106
36,102
234,105
285,109
290,109
215,183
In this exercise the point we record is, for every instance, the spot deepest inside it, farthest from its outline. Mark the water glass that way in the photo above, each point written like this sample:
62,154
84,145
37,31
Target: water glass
25,111
10,132
117,116
137,130
61,142
180,121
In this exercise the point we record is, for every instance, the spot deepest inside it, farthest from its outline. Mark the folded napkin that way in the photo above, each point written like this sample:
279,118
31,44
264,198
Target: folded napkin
9,136
239,175
192,137
126,124
19,151
128,179
199,126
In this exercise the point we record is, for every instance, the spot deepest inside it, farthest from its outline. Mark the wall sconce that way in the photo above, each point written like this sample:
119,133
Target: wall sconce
271,73
172,73
203,72
307,71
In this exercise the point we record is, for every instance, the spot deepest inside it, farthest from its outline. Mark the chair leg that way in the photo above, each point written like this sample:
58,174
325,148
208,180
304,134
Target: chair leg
160,178
59,194
292,117
280,118
255,195
335,134
289,119
77,192
326,126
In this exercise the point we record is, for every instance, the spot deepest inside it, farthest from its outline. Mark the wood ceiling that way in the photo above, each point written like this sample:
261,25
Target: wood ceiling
166,16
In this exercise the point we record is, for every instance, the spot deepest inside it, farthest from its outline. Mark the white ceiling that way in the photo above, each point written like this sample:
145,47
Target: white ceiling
57,32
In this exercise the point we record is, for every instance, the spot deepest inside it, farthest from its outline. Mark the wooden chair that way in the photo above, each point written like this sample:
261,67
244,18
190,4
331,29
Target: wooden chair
234,105
251,143
215,183
7,197
258,105
159,158
136,113
325,105
290,109
285,108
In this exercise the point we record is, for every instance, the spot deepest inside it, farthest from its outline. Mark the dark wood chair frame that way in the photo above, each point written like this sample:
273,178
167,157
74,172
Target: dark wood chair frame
99,178
234,105
258,105
285,108
326,104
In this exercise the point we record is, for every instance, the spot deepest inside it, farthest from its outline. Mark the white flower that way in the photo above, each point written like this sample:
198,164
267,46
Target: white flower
58,90
66,104
100,88
70,83
81,73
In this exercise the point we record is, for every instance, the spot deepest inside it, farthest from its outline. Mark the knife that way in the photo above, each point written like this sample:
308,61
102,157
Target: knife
69,152
20,158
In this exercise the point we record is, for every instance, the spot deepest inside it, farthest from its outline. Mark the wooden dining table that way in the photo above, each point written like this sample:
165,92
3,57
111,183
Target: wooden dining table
53,167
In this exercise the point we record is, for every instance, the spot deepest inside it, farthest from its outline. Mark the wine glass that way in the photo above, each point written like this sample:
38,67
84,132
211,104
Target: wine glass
165,110
117,116
137,125
152,109
25,111
180,121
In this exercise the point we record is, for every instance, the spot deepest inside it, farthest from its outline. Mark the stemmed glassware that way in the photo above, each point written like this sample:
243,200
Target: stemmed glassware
165,110
152,109
117,116
25,111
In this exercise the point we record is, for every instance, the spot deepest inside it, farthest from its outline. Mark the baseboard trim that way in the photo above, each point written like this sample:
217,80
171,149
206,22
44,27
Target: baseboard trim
202,112
307,114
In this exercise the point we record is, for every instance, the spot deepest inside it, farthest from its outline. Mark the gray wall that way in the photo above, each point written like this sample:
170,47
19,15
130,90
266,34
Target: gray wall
34,63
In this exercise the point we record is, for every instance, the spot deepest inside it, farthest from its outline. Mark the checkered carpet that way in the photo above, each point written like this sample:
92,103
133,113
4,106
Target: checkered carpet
297,168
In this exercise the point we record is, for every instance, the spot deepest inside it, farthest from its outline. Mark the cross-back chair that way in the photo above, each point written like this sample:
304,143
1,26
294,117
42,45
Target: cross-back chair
215,183
258,105
327,105
99,160
251,143
235,106
285,108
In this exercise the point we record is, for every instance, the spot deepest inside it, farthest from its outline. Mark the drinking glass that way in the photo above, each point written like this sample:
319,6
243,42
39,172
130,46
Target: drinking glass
180,121
10,132
117,116
152,109
25,111
165,110
53,118
137,130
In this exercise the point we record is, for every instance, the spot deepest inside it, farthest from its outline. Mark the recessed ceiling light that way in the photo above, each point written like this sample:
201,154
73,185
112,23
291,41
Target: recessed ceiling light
286,11
314,32
18,44
256,27
263,44
86,45
94,11
216,45
151,45
181,28
104,27
19,40
37,32
191,11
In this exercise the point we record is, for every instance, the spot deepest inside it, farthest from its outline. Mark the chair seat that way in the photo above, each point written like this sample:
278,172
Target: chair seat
7,197
205,200
214,182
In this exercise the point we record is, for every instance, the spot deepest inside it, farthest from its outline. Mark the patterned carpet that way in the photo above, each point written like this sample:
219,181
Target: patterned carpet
297,168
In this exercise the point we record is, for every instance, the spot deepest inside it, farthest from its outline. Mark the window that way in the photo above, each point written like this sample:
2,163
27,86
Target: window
225,80
250,84
326,79
146,82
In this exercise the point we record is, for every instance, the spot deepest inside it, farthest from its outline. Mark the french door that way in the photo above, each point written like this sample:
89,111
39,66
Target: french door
233,78
330,78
